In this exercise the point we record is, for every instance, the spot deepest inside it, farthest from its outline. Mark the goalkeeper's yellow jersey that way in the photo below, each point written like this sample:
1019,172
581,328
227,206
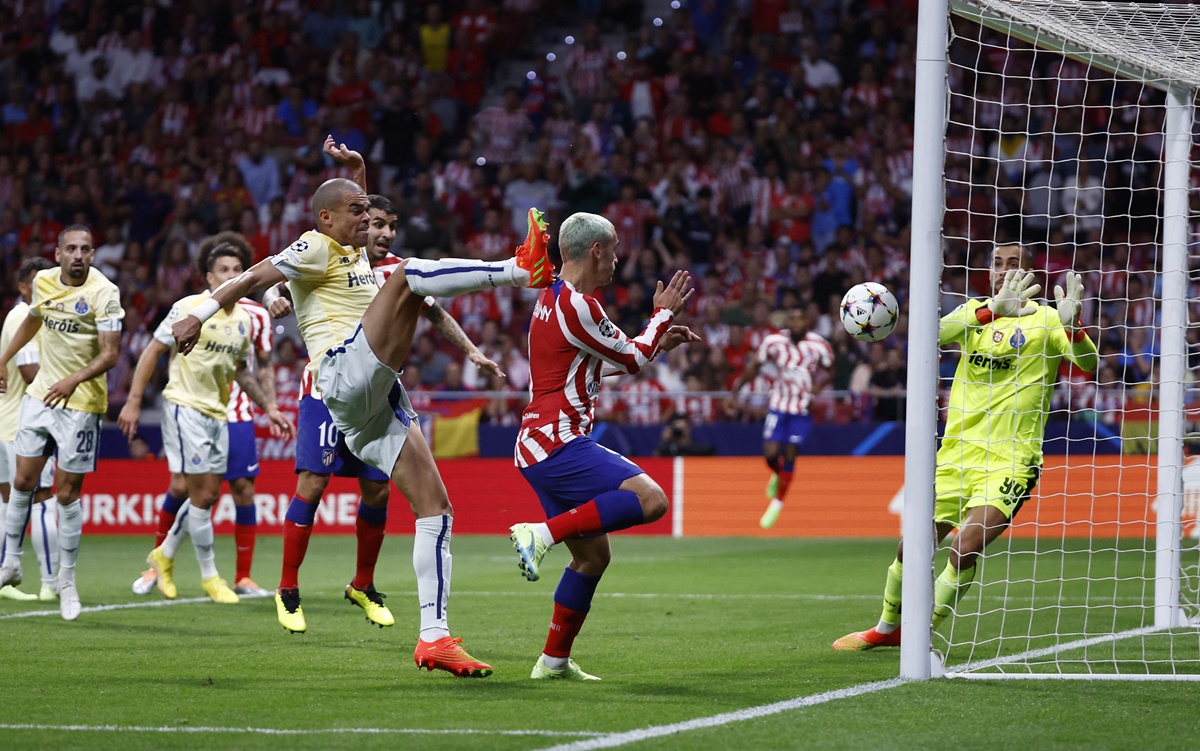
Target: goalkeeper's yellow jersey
72,319
1002,387
202,379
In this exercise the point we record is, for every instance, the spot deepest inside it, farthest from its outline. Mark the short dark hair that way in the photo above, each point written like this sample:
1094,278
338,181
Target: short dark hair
381,203
31,266
73,228
224,244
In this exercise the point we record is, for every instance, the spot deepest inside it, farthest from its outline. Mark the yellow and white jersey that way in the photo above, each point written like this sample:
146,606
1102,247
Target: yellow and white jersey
201,380
10,401
331,287
72,319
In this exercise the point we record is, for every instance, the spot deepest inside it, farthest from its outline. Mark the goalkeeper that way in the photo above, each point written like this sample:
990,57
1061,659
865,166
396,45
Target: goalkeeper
991,453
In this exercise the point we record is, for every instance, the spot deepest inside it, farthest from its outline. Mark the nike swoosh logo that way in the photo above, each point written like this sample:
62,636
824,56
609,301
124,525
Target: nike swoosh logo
252,467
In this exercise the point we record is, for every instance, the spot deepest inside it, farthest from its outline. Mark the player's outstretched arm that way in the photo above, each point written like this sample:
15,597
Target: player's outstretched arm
131,413
259,276
348,158
110,350
449,328
22,336
1069,303
281,427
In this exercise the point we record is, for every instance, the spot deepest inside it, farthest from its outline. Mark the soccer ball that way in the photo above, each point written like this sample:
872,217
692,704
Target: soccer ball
869,312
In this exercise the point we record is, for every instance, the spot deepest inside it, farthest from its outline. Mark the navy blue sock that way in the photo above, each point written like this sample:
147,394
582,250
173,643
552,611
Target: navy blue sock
619,509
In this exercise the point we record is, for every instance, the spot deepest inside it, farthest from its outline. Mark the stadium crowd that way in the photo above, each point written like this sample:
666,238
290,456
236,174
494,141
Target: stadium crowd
766,145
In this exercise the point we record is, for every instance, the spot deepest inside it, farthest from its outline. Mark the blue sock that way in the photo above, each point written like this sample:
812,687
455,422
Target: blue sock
171,504
371,515
301,512
575,590
619,509
788,466
247,516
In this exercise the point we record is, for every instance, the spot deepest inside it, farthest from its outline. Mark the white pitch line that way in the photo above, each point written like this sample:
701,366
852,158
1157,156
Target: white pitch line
293,731
614,740
106,608
1033,654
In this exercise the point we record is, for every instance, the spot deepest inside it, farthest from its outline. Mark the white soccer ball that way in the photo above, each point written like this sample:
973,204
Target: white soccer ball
869,312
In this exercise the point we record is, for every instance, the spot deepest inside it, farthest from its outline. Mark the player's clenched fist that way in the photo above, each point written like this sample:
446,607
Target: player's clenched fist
675,294
186,332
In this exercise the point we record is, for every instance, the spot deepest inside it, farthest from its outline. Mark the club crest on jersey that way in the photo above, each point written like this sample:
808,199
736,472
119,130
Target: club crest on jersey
81,306
1017,340
607,328
241,328
196,459
997,336
327,457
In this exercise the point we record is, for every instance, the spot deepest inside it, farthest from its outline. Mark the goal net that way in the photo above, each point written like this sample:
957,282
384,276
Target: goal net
1068,130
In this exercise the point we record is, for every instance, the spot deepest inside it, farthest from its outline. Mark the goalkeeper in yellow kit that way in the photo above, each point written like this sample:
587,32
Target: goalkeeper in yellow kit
991,453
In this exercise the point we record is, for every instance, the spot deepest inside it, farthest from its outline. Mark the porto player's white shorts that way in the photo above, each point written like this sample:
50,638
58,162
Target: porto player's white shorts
195,443
8,467
366,402
43,430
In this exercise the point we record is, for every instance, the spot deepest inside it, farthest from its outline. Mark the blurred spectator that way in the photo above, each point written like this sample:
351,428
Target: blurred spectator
677,440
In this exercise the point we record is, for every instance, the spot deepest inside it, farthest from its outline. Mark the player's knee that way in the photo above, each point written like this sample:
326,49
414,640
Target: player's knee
25,483
375,495
654,504
310,486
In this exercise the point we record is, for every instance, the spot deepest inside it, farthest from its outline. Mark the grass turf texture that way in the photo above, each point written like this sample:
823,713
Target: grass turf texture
681,629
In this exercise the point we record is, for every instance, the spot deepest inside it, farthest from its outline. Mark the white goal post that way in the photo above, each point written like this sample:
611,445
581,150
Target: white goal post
1107,589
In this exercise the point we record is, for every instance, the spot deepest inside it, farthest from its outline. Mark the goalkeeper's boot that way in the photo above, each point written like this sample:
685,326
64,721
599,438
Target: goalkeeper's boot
10,573
372,604
49,591
864,640
533,255
771,515
287,607
218,590
447,654
571,672
164,567
246,587
144,584
68,602
530,546
9,592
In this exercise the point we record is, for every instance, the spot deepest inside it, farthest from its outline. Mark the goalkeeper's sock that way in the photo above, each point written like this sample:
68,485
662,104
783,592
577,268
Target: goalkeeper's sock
369,529
245,534
297,529
607,512
166,516
572,601
889,620
450,277
950,585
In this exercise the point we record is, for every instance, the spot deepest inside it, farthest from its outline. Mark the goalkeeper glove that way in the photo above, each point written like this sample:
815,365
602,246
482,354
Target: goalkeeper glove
1071,302
1015,297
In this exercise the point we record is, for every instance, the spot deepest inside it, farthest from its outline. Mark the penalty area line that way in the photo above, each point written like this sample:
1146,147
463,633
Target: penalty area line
293,731
107,608
614,740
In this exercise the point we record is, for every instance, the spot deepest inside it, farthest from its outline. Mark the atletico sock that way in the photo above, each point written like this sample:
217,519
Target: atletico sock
889,621
43,526
950,585
70,529
19,502
432,564
201,529
369,528
166,516
607,512
774,463
572,601
297,528
785,478
450,277
245,534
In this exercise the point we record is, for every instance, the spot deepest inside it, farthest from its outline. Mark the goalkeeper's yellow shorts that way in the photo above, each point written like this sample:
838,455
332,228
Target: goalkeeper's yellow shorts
962,486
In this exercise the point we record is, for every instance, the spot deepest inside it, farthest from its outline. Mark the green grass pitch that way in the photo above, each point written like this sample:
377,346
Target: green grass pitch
680,630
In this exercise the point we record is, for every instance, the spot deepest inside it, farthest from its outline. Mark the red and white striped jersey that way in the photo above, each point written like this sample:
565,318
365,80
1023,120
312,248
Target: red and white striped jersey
241,409
571,345
384,268
791,388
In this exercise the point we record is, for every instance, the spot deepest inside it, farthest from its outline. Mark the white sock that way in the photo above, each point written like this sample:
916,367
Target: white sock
70,527
179,529
775,505
14,523
884,627
431,562
451,277
44,530
3,516
543,531
201,529
554,663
